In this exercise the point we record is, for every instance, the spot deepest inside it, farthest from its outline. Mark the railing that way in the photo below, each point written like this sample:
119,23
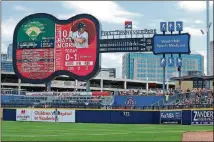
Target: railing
12,92
158,103
98,106
163,101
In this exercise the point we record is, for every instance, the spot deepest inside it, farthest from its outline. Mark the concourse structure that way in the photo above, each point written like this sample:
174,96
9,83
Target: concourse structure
195,81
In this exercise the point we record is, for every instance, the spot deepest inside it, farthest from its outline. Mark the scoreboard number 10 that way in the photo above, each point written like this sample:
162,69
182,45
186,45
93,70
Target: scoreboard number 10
63,34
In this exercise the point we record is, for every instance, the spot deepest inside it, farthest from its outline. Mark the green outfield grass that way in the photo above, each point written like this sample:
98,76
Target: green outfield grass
44,131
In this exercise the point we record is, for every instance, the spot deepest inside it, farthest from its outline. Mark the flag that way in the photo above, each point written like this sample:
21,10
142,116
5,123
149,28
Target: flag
210,25
128,24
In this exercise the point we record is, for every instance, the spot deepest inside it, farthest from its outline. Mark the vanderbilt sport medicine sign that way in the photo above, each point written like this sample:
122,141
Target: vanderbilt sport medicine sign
171,44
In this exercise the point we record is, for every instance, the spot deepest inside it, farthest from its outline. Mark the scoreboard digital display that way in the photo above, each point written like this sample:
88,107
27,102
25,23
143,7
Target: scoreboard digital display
126,45
45,47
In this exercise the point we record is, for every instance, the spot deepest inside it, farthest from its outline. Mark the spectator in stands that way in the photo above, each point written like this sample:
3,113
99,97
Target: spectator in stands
167,97
188,93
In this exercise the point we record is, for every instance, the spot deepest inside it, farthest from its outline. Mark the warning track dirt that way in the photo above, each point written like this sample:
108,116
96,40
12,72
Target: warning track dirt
198,136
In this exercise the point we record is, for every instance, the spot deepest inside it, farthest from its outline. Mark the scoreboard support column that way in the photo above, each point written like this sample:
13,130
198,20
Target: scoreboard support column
88,86
101,84
164,77
180,74
19,87
48,86
125,85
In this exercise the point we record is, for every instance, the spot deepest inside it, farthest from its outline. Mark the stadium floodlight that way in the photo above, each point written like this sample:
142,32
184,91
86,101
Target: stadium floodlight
205,30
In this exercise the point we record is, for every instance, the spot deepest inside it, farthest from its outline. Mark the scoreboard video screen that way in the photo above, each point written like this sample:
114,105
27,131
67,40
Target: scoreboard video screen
45,47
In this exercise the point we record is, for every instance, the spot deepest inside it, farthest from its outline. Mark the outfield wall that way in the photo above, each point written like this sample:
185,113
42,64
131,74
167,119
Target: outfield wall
184,117
1,113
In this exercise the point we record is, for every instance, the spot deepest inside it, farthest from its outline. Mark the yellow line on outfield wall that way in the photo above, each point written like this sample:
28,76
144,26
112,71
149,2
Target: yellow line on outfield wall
117,109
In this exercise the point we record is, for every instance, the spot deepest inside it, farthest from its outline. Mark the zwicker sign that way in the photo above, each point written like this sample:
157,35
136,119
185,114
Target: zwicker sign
44,115
202,117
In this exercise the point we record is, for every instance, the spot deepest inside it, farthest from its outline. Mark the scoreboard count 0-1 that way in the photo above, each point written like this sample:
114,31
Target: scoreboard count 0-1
45,47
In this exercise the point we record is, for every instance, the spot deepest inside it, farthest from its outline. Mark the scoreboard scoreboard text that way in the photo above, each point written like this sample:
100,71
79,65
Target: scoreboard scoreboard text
45,47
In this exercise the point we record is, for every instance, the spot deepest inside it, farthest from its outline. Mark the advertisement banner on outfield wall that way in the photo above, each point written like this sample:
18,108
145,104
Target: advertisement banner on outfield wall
48,115
170,117
44,115
202,117
23,115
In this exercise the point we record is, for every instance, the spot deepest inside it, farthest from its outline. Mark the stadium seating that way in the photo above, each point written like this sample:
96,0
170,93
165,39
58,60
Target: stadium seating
57,99
103,99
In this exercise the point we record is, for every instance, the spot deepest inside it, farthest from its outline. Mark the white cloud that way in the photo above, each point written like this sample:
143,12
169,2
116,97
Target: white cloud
3,47
193,31
116,15
107,11
199,22
8,27
20,8
9,24
135,27
152,25
113,60
194,6
65,16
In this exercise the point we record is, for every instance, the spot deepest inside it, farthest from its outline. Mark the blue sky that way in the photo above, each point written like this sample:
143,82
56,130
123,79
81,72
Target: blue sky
112,16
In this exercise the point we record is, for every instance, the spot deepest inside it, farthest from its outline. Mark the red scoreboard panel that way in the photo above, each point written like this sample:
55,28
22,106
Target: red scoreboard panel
35,63
45,47
78,60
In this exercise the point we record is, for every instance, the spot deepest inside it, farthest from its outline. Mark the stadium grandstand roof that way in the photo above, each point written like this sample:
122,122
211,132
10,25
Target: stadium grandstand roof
191,78
65,83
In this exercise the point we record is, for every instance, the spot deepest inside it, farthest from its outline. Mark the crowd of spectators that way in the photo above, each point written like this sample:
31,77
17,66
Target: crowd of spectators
196,96
182,97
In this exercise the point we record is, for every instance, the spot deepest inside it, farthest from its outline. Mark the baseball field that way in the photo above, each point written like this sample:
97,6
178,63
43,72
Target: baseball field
47,131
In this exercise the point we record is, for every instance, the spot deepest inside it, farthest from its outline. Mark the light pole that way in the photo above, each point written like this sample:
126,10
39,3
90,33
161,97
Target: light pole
147,85
208,37
167,83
